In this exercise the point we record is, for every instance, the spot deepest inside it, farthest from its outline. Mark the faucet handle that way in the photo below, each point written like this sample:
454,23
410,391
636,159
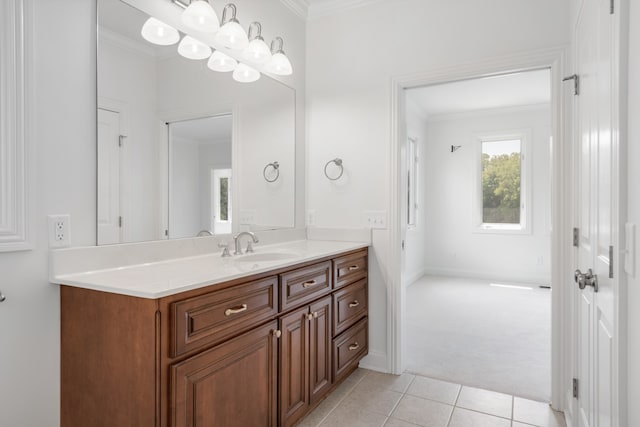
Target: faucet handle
225,249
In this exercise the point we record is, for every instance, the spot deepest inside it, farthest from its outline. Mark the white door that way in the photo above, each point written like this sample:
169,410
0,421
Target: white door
596,322
221,198
109,230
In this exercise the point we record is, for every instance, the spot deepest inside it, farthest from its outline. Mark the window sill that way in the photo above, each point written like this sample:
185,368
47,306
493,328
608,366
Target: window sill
513,229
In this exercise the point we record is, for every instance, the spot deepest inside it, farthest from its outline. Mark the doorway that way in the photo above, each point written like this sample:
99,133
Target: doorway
478,233
397,301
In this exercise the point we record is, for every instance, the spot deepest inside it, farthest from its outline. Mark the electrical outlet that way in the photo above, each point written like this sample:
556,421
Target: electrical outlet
59,231
311,217
247,217
375,219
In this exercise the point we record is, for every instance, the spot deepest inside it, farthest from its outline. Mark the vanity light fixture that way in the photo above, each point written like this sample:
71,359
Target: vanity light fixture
257,51
157,32
200,16
231,34
193,49
279,63
245,74
221,62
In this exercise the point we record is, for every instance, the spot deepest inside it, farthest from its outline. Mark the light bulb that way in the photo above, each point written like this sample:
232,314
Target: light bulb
232,36
193,49
257,51
157,32
221,62
279,65
200,16
245,74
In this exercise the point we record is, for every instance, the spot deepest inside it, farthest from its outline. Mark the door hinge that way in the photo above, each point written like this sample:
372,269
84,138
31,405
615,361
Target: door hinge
612,7
575,388
120,221
403,245
166,232
610,262
576,237
576,83
121,140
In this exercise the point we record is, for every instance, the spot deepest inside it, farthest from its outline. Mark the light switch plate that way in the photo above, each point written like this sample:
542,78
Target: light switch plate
375,219
247,217
630,249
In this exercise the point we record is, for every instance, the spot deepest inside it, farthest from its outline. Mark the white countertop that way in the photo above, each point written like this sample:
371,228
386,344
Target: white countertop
162,278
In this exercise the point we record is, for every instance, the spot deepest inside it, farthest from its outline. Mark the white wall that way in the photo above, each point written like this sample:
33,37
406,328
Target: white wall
128,77
184,189
352,57
633,293
62,128
454,246
415,237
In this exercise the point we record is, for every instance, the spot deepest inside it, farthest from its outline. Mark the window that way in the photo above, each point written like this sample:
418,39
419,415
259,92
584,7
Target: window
412,181
503,189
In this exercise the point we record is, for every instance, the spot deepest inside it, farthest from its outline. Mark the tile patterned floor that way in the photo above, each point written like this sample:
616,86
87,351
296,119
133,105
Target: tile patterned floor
372,399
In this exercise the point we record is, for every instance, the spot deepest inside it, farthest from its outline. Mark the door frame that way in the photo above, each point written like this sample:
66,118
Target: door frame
561,203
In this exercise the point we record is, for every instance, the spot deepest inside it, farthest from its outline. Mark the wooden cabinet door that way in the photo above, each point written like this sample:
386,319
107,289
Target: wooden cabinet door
320,349
294,366
231,385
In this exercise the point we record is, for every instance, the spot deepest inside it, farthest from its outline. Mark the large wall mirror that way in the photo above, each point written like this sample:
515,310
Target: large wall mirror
182,148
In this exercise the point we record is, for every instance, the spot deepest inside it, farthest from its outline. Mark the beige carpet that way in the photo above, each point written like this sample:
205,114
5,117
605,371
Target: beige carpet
468,332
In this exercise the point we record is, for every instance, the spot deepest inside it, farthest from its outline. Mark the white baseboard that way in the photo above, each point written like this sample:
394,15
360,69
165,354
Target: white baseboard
414,277
508,276
375,361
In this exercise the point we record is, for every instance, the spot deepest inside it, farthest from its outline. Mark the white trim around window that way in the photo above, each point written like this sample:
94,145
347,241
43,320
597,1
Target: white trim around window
525,136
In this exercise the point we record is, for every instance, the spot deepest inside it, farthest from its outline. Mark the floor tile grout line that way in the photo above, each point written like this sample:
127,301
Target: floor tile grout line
343,398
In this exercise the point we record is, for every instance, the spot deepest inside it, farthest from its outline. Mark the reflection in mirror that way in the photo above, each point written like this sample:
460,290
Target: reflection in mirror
200,197
159,174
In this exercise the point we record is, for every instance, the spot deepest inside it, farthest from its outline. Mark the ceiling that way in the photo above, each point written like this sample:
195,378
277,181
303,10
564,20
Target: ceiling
210,130
308,9
509,90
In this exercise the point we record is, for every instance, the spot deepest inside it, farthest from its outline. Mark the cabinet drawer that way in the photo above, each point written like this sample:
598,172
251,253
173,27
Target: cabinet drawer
214,317
349,269
349,348
301,286
349,306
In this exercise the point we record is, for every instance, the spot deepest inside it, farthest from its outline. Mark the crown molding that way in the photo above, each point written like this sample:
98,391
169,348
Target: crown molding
330,7
307,10
514,109
299,7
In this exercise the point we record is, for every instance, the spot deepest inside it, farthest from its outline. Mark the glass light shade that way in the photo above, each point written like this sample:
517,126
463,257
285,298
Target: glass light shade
221,62
245,74
232,36
157,32
200,16
193,49
279,65
257,51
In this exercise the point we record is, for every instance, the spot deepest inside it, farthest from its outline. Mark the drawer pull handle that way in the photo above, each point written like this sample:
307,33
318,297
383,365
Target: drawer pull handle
354,268
277,333
230,311
354,346
309,284
354,304
310,316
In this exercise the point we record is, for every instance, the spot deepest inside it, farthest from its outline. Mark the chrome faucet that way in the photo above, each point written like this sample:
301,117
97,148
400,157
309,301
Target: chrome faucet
237,238
204,233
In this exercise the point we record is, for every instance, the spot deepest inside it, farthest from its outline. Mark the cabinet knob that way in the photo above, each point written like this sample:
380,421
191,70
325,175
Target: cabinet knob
315,314
2,297
310,316
277,333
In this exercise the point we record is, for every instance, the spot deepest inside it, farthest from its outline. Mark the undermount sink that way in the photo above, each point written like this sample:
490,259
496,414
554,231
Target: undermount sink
265,257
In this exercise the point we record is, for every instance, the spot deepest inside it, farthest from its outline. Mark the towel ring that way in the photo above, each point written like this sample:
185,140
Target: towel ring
338,163
276,168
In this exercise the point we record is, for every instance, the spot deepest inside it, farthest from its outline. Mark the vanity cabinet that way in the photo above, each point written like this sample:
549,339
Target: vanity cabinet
305,359
262,350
